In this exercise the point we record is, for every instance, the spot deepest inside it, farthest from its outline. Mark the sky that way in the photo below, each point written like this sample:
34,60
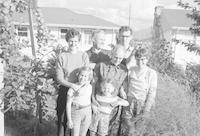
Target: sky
116,11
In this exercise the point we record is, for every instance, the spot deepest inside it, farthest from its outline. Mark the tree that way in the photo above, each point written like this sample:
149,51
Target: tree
28,81
195,28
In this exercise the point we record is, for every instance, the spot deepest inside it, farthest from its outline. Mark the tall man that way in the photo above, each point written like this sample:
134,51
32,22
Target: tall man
125,38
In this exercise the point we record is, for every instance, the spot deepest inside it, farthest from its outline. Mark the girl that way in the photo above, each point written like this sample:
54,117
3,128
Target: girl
79,104
107,101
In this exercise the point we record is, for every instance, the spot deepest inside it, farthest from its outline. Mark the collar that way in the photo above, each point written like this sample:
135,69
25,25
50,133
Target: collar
95,50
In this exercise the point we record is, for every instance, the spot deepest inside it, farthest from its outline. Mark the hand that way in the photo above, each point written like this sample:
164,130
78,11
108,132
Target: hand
114,104
76,87
70,124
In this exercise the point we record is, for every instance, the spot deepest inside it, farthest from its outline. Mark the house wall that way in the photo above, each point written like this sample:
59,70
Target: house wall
181,55
85,43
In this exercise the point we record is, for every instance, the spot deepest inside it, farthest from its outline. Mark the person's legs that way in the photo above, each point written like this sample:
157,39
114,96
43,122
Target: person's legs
76,119
61,110
94,124
128,116
86,121
103,125
114,124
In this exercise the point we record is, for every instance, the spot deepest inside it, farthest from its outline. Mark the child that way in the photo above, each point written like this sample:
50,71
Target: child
142,84
107,101
79,104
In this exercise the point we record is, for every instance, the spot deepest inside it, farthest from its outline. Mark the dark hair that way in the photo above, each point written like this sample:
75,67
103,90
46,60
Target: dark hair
141,52
71,33
88,69
124,29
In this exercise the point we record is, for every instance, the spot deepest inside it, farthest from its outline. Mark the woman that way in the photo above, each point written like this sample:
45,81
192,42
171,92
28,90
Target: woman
68,64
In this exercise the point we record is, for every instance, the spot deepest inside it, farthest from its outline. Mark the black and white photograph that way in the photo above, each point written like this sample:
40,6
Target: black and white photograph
99,67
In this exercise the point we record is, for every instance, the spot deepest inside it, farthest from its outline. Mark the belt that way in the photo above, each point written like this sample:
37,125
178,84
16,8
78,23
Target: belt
78,106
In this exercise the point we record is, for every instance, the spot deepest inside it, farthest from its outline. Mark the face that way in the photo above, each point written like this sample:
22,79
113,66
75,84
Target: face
73,43
99,40
107,89
117,57
125,38
141,62
83,77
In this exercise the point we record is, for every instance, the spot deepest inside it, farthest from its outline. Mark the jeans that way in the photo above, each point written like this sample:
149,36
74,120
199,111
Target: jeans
81,119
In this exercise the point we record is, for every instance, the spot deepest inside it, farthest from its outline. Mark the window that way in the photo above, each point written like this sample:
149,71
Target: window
88,37
63,33
22,31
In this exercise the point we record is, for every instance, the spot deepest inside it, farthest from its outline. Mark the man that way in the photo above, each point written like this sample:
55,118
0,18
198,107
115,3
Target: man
96,53
114,70
125,38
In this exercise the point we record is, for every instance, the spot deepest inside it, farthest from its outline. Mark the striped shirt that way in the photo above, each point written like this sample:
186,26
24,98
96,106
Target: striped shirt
105,103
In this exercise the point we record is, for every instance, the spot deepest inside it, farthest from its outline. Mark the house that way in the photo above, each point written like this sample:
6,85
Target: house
174,23
59,20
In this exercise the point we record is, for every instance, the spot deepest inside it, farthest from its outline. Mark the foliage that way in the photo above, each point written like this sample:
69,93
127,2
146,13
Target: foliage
195,28
29,83
193,72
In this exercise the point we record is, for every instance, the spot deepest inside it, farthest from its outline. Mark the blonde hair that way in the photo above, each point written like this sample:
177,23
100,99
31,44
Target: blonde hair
107,81
87,69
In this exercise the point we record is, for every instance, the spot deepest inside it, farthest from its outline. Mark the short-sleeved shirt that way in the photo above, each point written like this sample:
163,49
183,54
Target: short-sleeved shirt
82,96
70,63
108,70
105,103
139,85
101,56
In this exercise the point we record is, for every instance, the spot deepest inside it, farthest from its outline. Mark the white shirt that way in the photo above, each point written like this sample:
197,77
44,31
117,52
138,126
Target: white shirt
82,96
139,85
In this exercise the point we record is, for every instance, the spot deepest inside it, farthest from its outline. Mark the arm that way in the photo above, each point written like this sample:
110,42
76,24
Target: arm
95,83
60,74
123,89
131,62
86,59
68,107
122,102
151,93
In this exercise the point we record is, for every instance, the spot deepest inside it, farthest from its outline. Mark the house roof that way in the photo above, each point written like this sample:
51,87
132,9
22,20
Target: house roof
63,17
175,18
